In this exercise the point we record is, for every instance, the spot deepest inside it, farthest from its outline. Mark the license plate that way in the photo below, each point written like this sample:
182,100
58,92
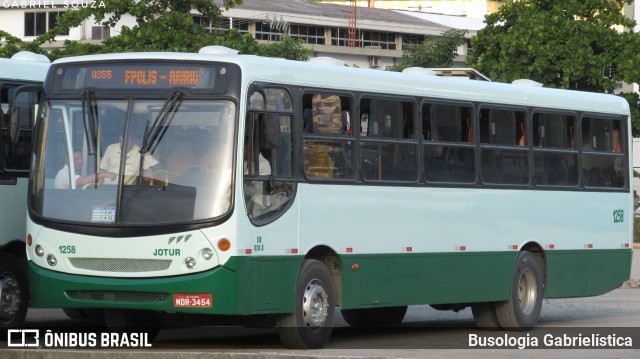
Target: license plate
192,301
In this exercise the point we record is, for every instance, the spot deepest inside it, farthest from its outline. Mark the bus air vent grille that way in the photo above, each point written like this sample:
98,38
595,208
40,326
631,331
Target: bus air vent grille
117,296
120,265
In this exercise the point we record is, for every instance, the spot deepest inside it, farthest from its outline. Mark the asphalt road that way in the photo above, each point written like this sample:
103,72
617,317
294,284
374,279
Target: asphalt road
423,329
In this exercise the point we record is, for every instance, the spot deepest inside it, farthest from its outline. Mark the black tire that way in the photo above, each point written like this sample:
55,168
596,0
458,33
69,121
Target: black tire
14,289
522,310
311,323
375,317
119,320
484,314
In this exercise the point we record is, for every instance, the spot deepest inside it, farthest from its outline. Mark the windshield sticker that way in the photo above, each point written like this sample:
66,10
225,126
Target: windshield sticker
102,214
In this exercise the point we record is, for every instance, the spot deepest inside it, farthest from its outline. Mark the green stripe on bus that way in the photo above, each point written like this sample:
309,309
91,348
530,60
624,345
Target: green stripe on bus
260,285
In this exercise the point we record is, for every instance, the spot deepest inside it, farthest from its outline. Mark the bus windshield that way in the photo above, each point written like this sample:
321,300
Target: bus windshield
128,161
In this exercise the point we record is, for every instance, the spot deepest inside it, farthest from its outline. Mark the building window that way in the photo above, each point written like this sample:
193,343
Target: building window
225,24
310,34
37,23
340,37
264,31
378,40
100,32
369,39
411,39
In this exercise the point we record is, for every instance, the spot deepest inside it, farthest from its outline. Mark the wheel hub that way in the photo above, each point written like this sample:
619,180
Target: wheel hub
527,291
315,305
9,297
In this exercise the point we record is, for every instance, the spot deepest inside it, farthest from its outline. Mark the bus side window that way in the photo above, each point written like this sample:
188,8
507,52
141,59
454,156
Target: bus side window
448,155
602,152
504,158
554,157
386,153
327,142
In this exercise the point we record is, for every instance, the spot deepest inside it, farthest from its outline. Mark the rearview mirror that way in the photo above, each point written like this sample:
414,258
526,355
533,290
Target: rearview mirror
23,110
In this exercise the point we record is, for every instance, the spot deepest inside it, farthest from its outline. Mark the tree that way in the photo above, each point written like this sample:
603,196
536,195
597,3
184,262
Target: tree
434,51
11,45
564,44
161,25
570,44
288,48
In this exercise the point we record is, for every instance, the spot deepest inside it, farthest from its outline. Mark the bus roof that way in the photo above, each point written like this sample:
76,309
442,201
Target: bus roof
24,68
255,68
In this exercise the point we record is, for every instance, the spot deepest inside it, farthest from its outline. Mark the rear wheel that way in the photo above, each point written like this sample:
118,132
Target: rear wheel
485,316
14,292
311,323
522,310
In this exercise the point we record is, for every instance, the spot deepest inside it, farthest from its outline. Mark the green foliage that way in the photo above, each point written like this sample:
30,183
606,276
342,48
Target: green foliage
11,45
434,51
161,25
75,48
567,44
288,48
634,104
564,44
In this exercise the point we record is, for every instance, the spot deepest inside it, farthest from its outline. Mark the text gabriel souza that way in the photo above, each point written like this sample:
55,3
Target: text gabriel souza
550,341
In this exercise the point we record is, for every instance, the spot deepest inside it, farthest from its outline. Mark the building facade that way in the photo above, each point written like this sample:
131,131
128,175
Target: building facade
381,35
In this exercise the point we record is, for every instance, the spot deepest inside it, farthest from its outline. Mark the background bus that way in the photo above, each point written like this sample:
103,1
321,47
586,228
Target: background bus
263,189
24,68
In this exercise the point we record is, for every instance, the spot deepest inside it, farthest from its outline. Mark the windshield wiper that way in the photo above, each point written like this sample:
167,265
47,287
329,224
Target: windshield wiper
158,127
89,120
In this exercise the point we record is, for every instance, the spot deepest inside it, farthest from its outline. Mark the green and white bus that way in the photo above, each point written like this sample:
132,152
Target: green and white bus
266,189
22,69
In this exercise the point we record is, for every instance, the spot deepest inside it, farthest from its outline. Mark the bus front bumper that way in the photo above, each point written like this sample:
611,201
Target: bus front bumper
50,289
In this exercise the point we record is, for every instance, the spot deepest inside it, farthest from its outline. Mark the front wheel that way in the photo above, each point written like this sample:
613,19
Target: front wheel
311,323
14,292
522,310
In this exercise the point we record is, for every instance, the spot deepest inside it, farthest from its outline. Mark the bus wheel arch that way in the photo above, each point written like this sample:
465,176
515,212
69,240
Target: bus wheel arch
330,259
541,257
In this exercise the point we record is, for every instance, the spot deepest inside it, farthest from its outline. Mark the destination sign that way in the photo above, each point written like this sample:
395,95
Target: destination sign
138,76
